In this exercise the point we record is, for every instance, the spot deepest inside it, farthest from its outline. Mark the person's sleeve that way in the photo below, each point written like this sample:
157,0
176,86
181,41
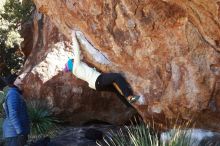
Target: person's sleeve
76,51
13,103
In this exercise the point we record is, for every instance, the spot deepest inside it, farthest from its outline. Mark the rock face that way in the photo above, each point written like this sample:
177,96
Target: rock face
71,99
167,50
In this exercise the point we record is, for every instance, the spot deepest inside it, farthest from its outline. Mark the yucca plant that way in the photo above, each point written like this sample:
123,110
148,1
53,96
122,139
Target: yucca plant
143,135
133,135
42,121
180,138
179,135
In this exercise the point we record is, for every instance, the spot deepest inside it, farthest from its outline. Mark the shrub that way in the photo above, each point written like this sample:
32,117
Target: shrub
178,137
143,135
133,135
13,13
42,121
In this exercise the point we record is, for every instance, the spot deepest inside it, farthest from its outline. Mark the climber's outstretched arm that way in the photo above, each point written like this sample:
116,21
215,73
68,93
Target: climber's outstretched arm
76,49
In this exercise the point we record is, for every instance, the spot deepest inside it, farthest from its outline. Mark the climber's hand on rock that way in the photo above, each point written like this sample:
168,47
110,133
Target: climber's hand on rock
79,34
74,39
73,35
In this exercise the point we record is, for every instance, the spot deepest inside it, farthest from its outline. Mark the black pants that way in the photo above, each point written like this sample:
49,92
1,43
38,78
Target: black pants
16,141
105,83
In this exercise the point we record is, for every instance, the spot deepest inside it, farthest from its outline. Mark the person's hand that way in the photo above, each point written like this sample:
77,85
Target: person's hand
74,39
73,35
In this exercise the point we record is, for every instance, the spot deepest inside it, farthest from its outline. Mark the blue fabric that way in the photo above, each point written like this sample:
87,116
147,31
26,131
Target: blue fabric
70,64
17,120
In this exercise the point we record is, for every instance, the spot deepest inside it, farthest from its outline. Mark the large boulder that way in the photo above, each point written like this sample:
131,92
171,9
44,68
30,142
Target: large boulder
70,98
167,50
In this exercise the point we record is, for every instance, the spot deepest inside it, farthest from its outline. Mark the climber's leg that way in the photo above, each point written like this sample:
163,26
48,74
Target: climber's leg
115,79
111,88
119,83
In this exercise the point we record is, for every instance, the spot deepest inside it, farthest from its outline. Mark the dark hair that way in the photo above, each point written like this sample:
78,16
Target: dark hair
2,84
9,80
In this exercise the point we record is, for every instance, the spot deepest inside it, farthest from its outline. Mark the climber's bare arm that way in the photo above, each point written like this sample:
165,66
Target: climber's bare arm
76,49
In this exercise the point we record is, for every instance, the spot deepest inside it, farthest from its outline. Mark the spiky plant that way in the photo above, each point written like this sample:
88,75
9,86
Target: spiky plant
134,135
42,121
143,135
179,137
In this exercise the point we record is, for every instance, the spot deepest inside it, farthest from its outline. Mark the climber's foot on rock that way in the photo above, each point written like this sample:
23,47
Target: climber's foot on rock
134,98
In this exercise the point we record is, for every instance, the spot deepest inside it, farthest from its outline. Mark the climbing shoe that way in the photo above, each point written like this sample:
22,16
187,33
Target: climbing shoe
132,99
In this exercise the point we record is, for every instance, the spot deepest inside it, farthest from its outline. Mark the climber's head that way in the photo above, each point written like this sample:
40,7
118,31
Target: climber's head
69,66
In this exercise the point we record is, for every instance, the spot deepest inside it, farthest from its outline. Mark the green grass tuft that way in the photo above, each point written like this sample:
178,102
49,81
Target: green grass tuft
42,121
141,134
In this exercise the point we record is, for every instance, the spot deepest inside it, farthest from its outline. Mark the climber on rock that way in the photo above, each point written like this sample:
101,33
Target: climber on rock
96,80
